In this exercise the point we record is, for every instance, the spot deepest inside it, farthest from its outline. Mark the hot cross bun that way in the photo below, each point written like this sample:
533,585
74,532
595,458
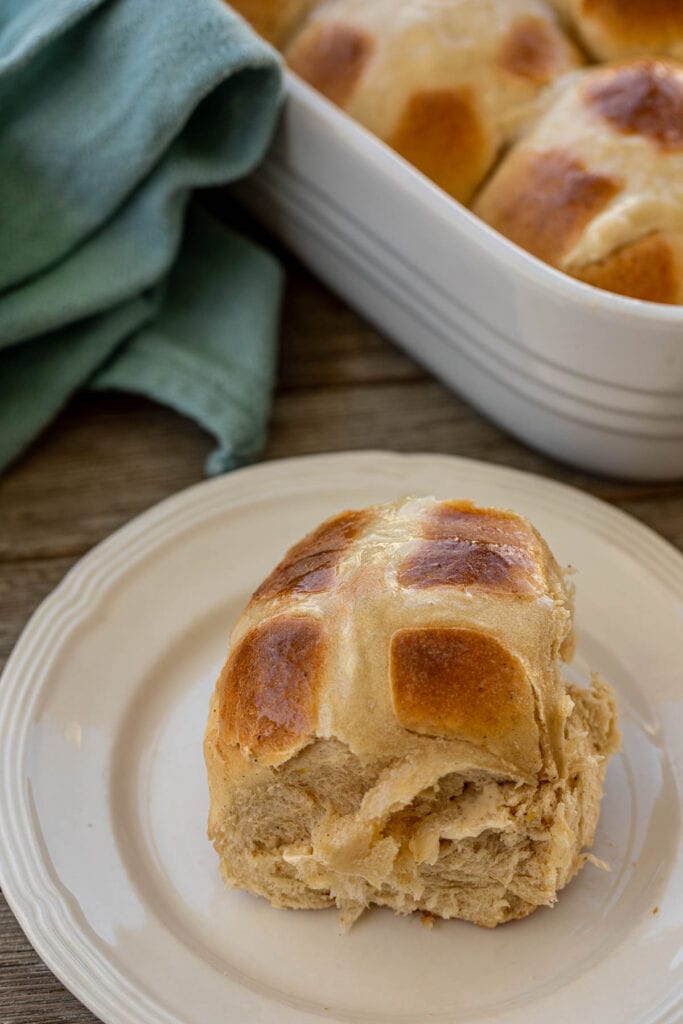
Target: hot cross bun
391,725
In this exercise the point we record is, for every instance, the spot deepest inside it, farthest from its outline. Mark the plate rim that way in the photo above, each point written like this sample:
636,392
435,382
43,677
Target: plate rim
38,913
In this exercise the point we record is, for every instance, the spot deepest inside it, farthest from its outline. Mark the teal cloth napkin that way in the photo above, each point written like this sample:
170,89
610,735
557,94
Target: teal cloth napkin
111,113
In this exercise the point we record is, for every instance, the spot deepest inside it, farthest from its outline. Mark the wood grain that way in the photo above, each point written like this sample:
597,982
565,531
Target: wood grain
341,386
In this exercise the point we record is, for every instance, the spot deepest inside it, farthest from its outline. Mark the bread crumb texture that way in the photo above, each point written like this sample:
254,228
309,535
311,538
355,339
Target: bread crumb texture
372,741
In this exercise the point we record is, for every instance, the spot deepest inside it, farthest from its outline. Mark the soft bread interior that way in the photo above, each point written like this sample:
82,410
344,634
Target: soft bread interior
468,845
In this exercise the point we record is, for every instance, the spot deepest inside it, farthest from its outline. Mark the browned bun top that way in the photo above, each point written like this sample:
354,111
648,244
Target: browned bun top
461,683
544,200
310,566
643,97
420,621
483,548
269,691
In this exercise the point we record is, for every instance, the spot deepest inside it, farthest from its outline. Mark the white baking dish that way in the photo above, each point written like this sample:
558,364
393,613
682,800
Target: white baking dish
590,377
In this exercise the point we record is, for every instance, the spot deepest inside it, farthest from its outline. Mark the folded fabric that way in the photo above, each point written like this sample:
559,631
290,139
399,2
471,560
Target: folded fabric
113,112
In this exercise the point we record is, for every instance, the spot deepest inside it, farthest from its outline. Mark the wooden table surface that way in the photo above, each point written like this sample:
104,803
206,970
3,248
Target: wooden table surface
341,386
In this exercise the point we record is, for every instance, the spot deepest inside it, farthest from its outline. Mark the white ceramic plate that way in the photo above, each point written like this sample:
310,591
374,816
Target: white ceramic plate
103,800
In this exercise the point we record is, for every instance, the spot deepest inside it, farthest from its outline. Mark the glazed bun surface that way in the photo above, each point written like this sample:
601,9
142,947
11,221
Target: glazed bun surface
391,726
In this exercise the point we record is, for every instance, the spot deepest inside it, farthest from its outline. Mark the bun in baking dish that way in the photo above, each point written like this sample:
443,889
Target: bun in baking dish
596,187
273,19
446,83
622,28
391,727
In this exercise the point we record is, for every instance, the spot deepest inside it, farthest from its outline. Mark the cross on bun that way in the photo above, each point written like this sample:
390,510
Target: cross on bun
390,726
596,187
446,83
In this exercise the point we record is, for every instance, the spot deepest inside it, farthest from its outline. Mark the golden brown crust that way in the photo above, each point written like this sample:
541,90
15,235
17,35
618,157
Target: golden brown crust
312,658
440,133
268,689
470,547
534,49
309,566
544,200
462,683
647,269
642,97
361,577
457,563
331,57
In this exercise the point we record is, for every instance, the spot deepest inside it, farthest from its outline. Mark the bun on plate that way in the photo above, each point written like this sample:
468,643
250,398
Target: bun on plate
391,726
